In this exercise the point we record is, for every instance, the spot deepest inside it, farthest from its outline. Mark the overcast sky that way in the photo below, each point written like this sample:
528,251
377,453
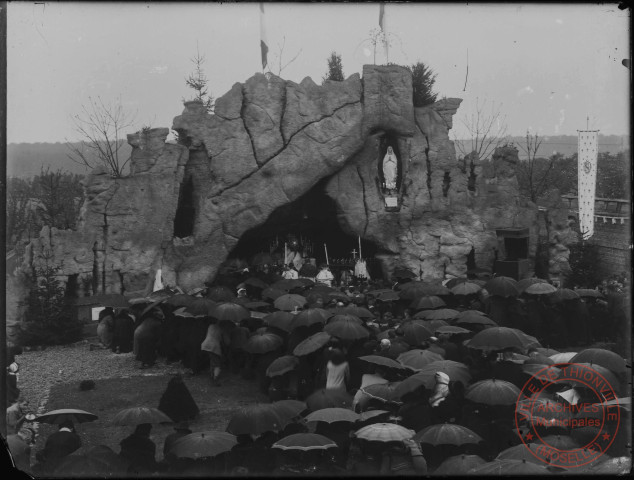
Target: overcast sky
545,66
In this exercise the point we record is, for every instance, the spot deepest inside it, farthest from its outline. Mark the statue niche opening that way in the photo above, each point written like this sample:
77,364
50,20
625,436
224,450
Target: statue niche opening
186,211
305,225
389,165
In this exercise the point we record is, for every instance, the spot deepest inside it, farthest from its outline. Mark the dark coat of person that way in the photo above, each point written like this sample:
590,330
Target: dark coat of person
139,451
177,401
148,339
122,333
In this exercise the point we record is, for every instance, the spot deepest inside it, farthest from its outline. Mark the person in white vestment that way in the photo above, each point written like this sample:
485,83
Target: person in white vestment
325,276
289,272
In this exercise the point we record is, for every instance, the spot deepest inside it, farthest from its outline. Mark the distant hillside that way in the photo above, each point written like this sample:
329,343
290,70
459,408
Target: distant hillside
564,144
26,159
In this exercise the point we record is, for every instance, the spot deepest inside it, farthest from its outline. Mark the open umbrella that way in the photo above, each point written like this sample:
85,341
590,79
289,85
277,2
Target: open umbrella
312,344
433,325
540,289
182,312
381,361
282,365
414,332
385,392
346,329
57,417
377,292
99,461
345,317
427,302
521,452
510,467
611,466
359,312
281,320
563,294
549,352
272,293
309,317
451,330
289,409
338,296
412,290
287,284
255,420
417,359
138,415
255,282
493,392
263,343
220,293
230,312
473,318
458,465
502,287
331,415
600,356
403,274
440,314
203,444
560,442
447,434
609,377
306,282
535,368
324,398
256,305
466,288
527,282
113,300
180,300
500,338
384,432
201,307
370,414
304,442
563,357
390,296
289,302
426,376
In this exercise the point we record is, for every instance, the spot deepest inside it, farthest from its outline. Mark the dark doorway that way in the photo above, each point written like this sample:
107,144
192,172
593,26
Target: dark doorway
311,220
186,211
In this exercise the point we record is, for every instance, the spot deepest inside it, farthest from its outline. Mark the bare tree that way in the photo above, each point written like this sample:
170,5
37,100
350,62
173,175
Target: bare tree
280,56
534,173
487,131
102,128
198,81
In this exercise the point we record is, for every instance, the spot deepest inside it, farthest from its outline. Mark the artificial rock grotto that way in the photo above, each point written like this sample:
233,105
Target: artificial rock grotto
267,144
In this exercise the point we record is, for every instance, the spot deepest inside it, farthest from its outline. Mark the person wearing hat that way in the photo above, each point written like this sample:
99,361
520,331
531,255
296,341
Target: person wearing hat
58,446
181,429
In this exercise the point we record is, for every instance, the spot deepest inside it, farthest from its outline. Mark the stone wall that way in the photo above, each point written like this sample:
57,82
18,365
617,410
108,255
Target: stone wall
268,143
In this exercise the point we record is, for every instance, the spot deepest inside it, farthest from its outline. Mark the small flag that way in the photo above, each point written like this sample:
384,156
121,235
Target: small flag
264,47
587,180
382,16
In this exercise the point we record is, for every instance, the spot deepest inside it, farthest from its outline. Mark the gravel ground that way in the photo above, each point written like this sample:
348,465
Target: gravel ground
41,369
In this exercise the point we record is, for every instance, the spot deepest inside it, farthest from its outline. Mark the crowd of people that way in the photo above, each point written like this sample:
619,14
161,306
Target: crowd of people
338,368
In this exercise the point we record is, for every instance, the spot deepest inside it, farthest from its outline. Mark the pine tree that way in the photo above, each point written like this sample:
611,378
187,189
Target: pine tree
198,81
423,79
335,69
48,319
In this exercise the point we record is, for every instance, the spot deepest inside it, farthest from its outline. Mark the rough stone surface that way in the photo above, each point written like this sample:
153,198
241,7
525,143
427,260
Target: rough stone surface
267,144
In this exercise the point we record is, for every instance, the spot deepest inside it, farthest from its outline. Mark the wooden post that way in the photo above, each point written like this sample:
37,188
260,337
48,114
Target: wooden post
326,250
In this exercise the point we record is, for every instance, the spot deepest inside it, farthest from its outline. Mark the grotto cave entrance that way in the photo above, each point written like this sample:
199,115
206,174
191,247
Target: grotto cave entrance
306,224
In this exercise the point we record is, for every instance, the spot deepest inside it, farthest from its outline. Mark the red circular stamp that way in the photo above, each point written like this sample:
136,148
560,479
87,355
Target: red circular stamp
567,415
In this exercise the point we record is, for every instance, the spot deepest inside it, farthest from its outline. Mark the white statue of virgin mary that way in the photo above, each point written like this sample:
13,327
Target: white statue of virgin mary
389,169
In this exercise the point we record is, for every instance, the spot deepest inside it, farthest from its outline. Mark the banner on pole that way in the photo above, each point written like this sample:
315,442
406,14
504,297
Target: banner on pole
264,47
587,153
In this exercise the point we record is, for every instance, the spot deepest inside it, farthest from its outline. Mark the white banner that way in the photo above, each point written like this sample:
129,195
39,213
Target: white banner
588,149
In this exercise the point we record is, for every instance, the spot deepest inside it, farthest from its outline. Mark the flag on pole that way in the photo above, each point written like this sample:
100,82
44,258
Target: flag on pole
587,154
264,47
382,16
383,25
